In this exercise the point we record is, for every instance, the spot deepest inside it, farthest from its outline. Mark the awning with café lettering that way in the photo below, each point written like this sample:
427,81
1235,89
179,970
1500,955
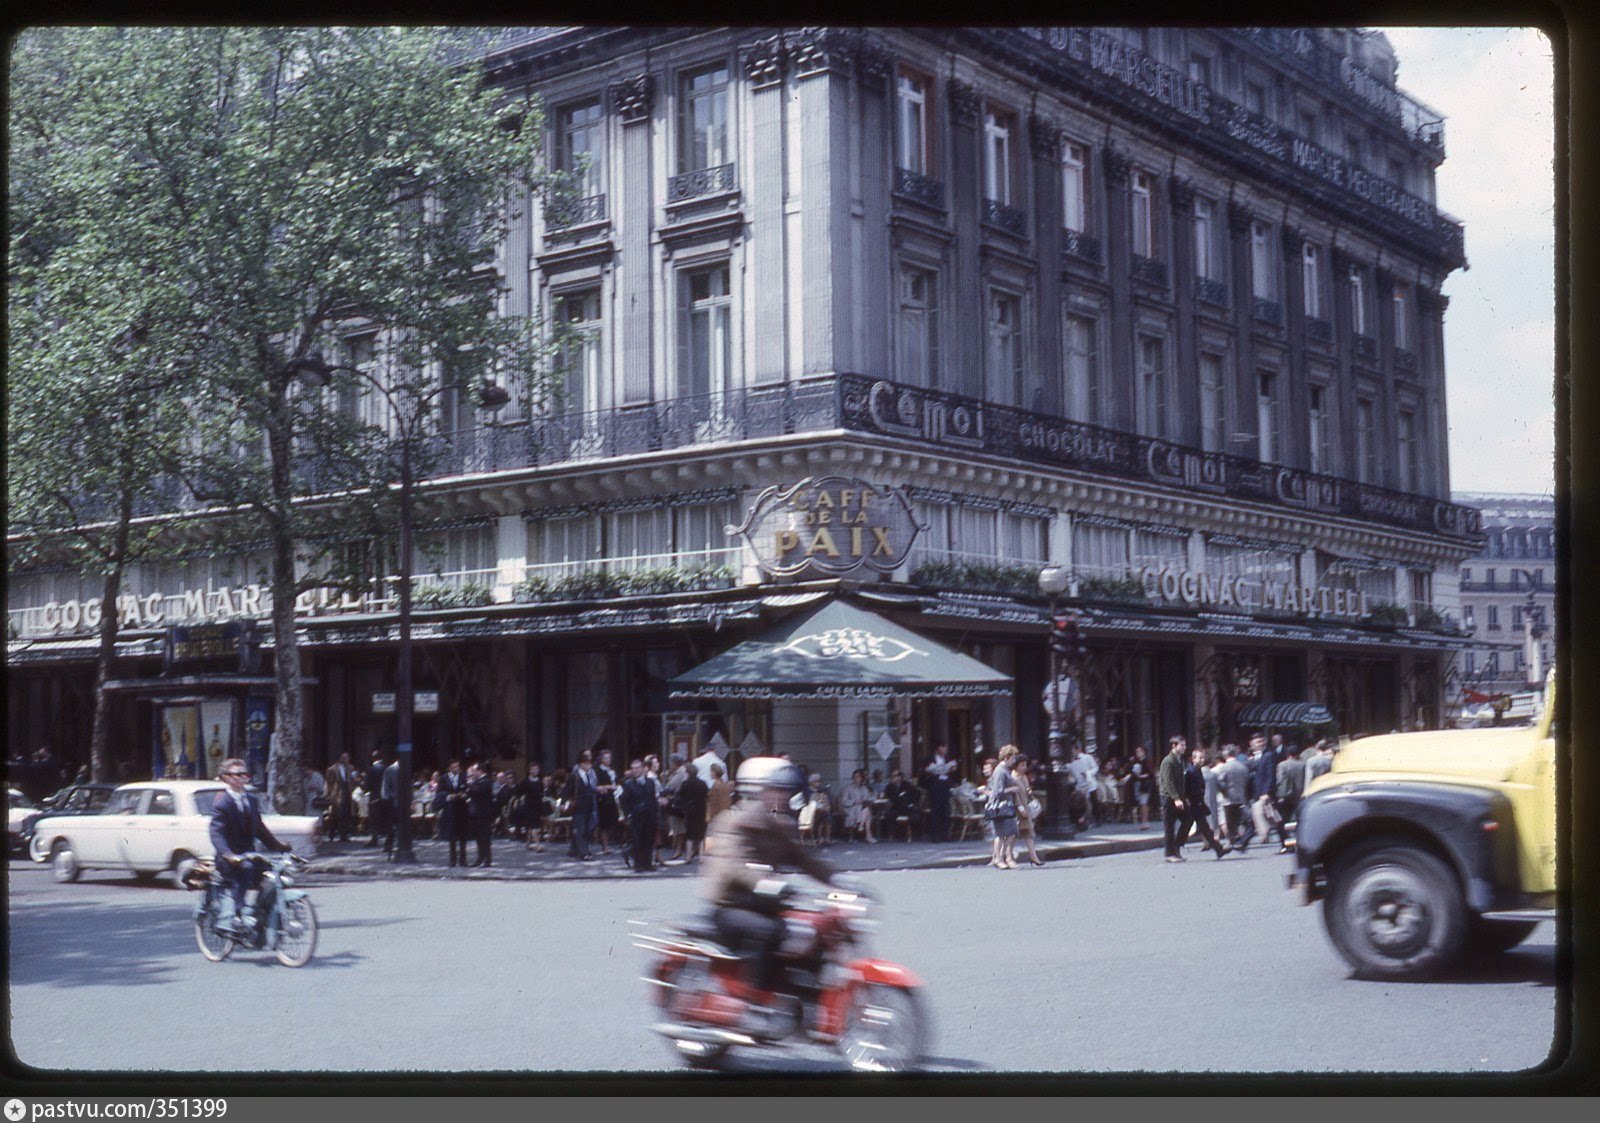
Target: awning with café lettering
1281,715
840,651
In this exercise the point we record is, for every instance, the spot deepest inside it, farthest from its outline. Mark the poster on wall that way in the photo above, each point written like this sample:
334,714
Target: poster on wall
180,743
216,726
256,727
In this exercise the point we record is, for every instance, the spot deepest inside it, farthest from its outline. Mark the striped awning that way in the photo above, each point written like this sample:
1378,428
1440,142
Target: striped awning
1281,715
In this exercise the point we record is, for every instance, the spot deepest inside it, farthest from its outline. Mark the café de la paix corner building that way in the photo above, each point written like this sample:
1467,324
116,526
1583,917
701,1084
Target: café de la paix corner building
896,318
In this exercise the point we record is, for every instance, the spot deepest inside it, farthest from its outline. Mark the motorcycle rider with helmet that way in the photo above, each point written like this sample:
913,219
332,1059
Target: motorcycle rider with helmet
755,838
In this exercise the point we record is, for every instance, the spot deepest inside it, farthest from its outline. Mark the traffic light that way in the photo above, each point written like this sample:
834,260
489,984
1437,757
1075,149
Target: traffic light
1066,638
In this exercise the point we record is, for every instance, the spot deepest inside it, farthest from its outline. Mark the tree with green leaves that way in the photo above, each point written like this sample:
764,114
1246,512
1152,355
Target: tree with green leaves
275,194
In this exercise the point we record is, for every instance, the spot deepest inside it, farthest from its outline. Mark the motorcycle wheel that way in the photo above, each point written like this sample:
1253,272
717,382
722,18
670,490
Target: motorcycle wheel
887,1030
691,980
297,938
213,944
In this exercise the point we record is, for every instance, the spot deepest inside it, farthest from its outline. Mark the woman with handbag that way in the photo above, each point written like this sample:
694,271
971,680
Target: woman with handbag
1028,808
1001,809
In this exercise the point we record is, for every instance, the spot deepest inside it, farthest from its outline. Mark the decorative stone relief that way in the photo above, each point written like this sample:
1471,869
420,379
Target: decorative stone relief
1044,138
764,62
632,98
963,104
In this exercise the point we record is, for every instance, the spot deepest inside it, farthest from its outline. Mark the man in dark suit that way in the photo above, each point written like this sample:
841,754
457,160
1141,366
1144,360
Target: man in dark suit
583,795
480,812
638,802
341,785
379,814
235,826
450,804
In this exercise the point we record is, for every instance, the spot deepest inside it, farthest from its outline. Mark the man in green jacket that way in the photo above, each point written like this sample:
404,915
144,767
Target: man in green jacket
1170,779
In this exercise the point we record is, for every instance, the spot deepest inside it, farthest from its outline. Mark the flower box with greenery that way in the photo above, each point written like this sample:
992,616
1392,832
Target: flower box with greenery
1386,614
1020,580
596,584
1118,590
1438,621
468,595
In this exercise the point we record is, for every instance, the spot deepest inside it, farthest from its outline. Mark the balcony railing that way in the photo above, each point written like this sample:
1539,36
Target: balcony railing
1003,216
1319,330
1082,246
1405,360
919,188
1365,348
1268,311
1149,271
720,180
1210,291
565,211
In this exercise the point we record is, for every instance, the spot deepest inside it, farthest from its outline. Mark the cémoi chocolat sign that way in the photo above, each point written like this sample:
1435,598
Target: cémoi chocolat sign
831,524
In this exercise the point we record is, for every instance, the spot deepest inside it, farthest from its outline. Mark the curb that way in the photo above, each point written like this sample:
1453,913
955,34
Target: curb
374,868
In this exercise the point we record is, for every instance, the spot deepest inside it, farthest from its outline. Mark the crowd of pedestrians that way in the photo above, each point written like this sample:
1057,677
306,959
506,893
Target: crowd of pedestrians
1238,796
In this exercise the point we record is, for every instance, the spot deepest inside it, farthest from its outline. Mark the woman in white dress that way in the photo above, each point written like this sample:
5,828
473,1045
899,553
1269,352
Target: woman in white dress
857,803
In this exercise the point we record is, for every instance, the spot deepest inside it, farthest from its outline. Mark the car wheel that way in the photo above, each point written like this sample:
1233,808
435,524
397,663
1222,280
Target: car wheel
63,863
1494,937
1395,912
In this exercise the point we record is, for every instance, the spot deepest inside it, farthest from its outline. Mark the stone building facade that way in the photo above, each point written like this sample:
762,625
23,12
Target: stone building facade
1161,306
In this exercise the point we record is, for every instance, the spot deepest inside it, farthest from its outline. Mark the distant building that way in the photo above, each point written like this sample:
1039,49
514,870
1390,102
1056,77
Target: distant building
1515,572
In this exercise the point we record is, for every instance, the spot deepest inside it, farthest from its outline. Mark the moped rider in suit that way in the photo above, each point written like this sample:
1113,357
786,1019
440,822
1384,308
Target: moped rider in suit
235,826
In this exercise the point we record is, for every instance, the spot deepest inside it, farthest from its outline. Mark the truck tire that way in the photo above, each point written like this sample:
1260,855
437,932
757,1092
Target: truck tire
1395,912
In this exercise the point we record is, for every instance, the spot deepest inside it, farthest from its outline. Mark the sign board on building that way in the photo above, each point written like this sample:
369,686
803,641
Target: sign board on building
831,525
234,645
422,702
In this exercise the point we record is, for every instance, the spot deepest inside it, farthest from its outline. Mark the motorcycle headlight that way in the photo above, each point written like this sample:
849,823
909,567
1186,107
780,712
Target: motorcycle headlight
285,879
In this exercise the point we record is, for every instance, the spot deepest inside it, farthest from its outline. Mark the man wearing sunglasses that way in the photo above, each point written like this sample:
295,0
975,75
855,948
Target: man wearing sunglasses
235,826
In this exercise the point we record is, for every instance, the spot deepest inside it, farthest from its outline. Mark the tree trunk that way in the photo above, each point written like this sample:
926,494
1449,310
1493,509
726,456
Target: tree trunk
100,768
286,778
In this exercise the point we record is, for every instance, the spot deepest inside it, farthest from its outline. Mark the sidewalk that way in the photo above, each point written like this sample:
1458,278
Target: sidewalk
513,861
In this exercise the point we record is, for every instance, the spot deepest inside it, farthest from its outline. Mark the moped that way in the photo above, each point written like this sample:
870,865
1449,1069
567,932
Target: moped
282,921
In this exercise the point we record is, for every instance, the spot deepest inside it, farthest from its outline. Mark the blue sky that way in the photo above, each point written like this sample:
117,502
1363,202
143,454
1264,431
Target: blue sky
1495,88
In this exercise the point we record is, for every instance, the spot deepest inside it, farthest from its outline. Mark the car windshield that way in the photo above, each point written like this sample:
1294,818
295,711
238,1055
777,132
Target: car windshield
206,802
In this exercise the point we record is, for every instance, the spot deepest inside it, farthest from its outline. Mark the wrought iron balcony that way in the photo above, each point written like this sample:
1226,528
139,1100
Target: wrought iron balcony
1269,311
1211,291
919,188
1003,216
697,184
564,211
1365,348
1084,247
1319,330
1405,360
1149,271
882,410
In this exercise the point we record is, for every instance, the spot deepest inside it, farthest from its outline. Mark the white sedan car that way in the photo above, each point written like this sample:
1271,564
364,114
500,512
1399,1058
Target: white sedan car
150,828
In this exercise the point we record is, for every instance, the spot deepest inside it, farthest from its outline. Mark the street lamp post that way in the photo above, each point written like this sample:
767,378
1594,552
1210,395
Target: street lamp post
490,397
1056,823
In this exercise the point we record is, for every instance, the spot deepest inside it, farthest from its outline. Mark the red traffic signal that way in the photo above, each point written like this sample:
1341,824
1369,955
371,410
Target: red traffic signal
1065,638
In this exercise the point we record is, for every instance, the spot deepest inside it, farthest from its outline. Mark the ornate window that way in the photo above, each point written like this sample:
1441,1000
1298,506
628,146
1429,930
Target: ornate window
703,139
1311,276
579,363
1006,364
1358,301
1213,404
1075,187
580,148
1321,443
1207,261
1263,264
1366,442
919,326
1270,440
1154,412
1402,319
705,347
999,128
913,119
1143,213
1083,370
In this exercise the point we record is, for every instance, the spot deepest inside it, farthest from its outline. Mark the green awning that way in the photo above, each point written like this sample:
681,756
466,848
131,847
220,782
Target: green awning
840,651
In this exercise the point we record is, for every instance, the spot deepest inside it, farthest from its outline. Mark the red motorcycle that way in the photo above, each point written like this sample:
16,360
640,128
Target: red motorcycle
871,1010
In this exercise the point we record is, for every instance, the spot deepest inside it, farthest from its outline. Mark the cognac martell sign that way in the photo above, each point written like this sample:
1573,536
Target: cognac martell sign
831,524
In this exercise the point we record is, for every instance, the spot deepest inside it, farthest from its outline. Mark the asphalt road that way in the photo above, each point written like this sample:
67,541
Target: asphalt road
1115,964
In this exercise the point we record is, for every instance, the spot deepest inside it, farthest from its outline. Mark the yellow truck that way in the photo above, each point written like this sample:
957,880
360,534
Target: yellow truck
1426,848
